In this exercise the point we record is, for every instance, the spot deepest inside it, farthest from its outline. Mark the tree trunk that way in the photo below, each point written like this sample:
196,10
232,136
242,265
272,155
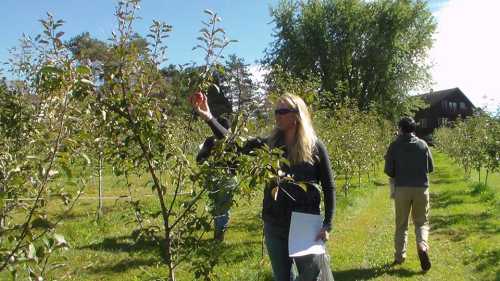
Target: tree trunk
359,177
346,188
100,187
165,213
168,253
486,179
3,211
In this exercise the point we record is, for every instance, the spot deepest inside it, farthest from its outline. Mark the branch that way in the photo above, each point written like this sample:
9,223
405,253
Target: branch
180,260
188,208
42,187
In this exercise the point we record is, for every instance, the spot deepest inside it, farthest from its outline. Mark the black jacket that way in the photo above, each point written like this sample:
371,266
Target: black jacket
318,177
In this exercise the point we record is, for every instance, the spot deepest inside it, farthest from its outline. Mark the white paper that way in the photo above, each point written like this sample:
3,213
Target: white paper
303,231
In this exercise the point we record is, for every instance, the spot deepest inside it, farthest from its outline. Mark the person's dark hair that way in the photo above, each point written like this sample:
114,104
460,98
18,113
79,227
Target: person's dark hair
224,122
407,125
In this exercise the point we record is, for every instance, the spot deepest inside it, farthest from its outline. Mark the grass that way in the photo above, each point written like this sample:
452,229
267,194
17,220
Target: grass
464,239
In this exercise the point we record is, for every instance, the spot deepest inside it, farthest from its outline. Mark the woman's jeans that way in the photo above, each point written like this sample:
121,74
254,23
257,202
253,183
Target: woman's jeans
276,238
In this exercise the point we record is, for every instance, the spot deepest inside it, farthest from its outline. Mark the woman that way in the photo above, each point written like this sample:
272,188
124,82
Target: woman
309,163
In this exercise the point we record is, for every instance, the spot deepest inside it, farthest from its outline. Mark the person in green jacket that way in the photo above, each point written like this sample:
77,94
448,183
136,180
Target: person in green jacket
408,162
220,187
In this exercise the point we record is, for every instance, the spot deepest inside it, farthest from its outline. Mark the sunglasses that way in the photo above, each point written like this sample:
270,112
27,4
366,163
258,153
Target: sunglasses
283,111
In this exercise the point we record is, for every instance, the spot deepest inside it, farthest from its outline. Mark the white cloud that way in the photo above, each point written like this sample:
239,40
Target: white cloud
466,52
258,72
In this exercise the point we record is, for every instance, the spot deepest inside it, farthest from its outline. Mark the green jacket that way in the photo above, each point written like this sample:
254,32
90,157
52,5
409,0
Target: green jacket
408,160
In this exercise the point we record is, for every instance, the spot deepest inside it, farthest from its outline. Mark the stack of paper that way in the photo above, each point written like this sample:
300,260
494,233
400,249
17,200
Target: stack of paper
302,237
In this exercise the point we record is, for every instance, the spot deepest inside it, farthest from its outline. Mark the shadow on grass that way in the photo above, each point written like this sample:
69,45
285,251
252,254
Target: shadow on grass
370,273
445,180
125,265
460,226
75,215
444,199
82,212
126,244
229,252
448,174
487,260
123,244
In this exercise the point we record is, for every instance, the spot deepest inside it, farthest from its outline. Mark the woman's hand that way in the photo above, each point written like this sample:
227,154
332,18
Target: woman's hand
199,102
323,235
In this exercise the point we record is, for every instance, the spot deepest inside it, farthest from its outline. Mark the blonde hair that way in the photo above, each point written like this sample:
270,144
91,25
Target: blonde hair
302,149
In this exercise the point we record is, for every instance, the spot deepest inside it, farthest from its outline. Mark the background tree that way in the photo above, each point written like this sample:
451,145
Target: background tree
373,52
85,47
473,143
93,52
239,87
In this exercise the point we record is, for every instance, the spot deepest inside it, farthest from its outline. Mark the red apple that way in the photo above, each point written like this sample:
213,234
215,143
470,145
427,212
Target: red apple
196,99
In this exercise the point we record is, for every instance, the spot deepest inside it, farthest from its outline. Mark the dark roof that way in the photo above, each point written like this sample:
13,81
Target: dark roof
435,97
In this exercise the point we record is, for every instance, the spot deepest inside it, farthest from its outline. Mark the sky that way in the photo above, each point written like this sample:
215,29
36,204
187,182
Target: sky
243,20
466,51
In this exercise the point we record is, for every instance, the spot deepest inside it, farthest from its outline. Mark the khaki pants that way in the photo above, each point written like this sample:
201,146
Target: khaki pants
416,200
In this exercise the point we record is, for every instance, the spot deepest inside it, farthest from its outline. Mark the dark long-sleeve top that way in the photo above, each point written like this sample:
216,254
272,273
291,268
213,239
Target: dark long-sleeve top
205,150
292,197
408,160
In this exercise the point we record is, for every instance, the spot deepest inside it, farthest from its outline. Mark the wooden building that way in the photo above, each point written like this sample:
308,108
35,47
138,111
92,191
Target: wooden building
444,106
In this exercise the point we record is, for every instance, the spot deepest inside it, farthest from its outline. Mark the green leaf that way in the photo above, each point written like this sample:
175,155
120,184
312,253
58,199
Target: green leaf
50,69
83,70
302,185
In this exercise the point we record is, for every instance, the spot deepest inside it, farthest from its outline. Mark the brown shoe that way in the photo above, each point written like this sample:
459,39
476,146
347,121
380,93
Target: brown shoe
425,262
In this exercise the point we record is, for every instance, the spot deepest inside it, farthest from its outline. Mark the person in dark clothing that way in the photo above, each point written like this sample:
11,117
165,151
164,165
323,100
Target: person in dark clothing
209,143
408,161
309,163
220,188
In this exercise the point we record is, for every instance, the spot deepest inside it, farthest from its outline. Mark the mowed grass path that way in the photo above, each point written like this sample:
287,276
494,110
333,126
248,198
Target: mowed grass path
464,239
